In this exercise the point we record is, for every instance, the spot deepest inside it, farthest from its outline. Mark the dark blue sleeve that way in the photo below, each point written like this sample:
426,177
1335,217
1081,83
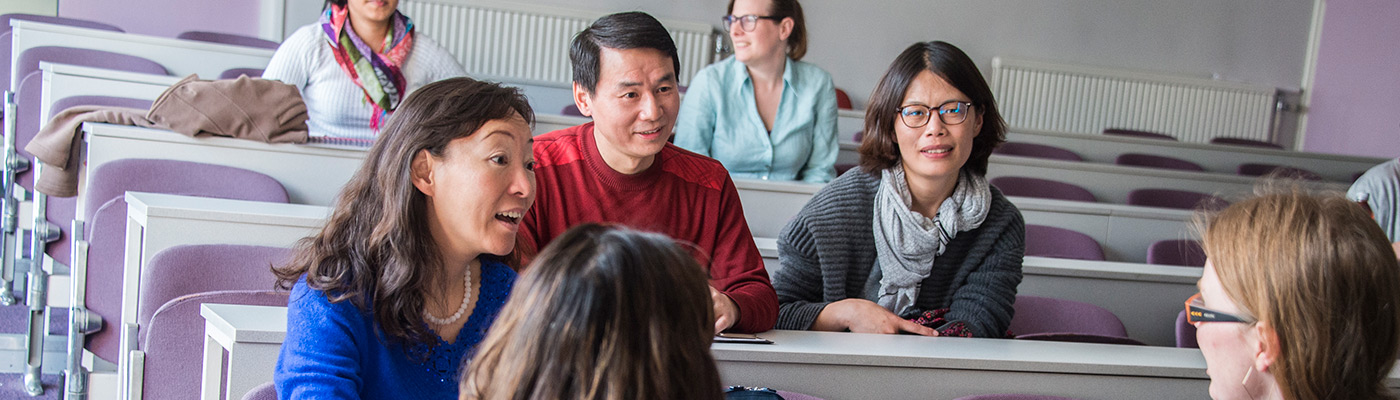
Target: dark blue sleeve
320,357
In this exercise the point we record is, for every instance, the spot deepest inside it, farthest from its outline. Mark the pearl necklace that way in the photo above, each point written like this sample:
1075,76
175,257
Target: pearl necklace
466,294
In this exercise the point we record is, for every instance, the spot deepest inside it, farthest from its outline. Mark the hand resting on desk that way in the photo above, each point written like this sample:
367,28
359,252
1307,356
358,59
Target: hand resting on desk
864,316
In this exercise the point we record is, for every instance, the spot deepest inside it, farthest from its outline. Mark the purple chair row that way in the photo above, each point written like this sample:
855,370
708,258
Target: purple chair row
29,87
203,36
27,120
170,274
1149,197
1229,141
1151,161
1049,241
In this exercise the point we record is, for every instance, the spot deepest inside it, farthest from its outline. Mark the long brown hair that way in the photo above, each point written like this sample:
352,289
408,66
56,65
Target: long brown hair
879,149
375,249
1323,276
602,313
797,40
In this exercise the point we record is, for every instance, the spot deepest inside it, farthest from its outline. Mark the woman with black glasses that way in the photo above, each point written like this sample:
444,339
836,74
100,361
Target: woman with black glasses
915,240
1297,300
763,113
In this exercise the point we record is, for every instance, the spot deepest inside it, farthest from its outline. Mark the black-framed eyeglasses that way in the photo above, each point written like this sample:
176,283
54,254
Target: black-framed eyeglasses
951,113
1197,312
746,22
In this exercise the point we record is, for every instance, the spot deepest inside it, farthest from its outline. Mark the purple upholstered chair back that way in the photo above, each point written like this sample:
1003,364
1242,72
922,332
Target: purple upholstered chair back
1036,150
190,269
174,343
1010,396
843,167
229,38
268,391
1172,198
572,111
1137,133
29,60
1253,169
7,40
1041,188
60,211
1229,141
1049,241
237,72
1044,316
1155,161
1185,332
113,179
1183,252
106,226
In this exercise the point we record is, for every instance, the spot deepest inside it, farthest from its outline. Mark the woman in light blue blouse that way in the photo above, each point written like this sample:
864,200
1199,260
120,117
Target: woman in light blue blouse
762,113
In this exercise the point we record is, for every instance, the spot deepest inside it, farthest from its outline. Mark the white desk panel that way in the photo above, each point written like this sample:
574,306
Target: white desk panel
312,174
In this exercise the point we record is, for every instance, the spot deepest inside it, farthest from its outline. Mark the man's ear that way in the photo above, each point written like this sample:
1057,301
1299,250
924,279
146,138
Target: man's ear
1266,348
583,100
421,169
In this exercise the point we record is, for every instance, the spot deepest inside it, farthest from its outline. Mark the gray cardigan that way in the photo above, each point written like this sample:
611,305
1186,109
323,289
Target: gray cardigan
828,252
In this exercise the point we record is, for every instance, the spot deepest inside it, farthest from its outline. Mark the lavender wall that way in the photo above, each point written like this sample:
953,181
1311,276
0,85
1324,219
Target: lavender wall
169,17
1356,91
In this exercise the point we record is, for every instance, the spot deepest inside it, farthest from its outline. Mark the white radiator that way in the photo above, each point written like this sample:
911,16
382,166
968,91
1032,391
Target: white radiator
530,44
1035,95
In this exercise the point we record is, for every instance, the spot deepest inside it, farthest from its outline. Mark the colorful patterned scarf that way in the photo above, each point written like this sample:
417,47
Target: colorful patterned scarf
380,75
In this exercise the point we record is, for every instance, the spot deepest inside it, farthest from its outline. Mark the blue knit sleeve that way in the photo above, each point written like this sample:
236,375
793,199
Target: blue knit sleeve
320,357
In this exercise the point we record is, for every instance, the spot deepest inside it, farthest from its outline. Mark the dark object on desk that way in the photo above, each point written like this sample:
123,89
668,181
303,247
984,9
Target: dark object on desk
725,337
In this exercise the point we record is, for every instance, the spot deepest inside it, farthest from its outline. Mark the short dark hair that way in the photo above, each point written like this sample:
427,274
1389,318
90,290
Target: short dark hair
627,30
879,149
797,40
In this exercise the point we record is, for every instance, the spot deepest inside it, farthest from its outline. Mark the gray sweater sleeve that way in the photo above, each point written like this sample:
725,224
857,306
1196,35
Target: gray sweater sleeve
799,281
983,303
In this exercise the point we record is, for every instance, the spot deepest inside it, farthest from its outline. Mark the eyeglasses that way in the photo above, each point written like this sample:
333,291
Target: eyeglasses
918,115
746,22
1197,312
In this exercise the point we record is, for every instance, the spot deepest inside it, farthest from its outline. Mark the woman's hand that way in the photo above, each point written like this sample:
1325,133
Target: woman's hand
864,316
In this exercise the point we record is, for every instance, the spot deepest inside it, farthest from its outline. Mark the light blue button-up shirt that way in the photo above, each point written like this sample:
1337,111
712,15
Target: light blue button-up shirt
719,118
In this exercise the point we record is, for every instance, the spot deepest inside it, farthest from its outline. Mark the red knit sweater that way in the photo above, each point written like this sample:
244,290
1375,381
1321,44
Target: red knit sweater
684,195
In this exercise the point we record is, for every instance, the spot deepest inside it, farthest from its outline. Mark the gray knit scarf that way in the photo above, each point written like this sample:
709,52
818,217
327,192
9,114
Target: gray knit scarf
906,242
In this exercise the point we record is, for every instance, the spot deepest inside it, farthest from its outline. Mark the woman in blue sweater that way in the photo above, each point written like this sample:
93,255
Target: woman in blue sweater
416,259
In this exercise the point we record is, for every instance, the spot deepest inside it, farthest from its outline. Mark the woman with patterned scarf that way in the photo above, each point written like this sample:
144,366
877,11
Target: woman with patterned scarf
915,240
356,65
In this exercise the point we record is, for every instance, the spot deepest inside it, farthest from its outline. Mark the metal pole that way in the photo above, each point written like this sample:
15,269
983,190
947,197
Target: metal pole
81,322
13,164
43,233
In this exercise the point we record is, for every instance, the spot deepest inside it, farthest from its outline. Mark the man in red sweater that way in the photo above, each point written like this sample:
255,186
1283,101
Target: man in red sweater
620,168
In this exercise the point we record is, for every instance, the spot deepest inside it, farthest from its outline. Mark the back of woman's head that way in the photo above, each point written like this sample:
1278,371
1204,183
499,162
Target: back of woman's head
376,247
1324,278
602,313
